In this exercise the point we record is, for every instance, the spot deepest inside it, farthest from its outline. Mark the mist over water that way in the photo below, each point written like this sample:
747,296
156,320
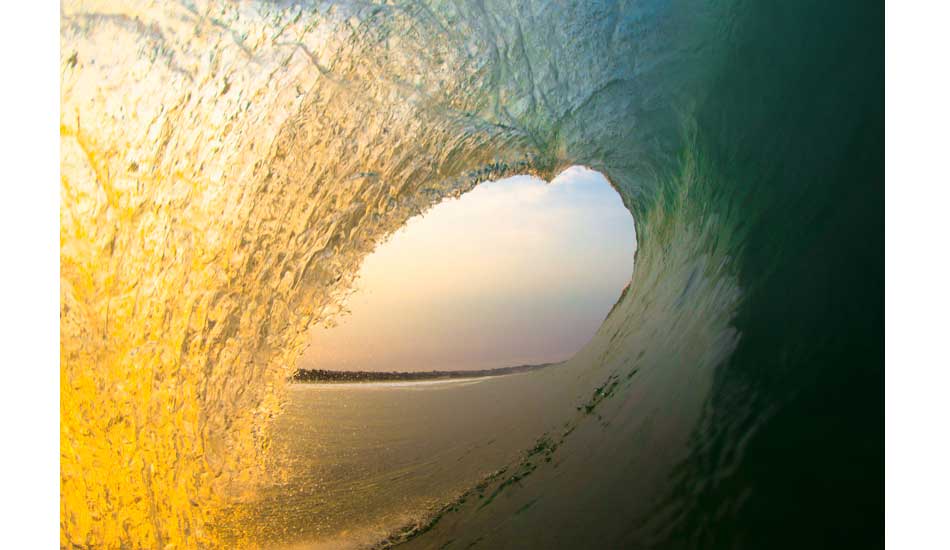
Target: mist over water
517,271
227,167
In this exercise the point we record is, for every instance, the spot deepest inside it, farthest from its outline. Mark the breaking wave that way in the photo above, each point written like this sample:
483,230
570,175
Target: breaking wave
226,167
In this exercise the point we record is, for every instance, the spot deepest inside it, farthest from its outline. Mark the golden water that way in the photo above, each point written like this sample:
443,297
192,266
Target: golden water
224,169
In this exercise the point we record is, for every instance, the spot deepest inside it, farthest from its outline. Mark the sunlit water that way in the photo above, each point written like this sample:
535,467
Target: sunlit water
227,166
368,459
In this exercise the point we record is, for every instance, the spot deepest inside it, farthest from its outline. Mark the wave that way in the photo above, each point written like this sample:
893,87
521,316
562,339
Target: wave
226,167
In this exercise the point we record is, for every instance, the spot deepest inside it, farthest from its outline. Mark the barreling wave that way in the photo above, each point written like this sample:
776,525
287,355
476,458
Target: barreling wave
226,167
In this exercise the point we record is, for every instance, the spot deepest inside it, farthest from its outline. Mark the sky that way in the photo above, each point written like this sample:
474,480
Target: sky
516,271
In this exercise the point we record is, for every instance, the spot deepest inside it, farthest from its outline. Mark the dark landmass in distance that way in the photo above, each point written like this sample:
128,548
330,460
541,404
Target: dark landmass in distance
321,375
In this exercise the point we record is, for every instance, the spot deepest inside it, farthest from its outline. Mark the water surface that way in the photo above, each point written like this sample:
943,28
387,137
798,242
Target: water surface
366,459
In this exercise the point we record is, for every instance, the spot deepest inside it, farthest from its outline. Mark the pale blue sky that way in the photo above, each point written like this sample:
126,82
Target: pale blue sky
517,271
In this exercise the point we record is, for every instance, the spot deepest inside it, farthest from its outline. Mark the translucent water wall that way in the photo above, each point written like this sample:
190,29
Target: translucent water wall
225,167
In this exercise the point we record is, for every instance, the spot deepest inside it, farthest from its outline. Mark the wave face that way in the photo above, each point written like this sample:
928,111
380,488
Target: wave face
226,166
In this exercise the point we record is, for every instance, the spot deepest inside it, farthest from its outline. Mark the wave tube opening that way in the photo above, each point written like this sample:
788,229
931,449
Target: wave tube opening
515,272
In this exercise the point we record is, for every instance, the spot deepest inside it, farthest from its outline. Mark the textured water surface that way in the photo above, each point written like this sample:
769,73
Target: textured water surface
226,166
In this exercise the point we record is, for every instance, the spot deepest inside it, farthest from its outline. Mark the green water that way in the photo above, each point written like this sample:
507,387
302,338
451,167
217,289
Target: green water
732,399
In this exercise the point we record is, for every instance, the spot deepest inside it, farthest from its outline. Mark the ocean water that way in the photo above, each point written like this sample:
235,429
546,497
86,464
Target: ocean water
227,166
365,460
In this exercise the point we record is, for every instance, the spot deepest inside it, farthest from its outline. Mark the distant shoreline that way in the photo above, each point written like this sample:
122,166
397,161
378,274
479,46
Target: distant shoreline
307,376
